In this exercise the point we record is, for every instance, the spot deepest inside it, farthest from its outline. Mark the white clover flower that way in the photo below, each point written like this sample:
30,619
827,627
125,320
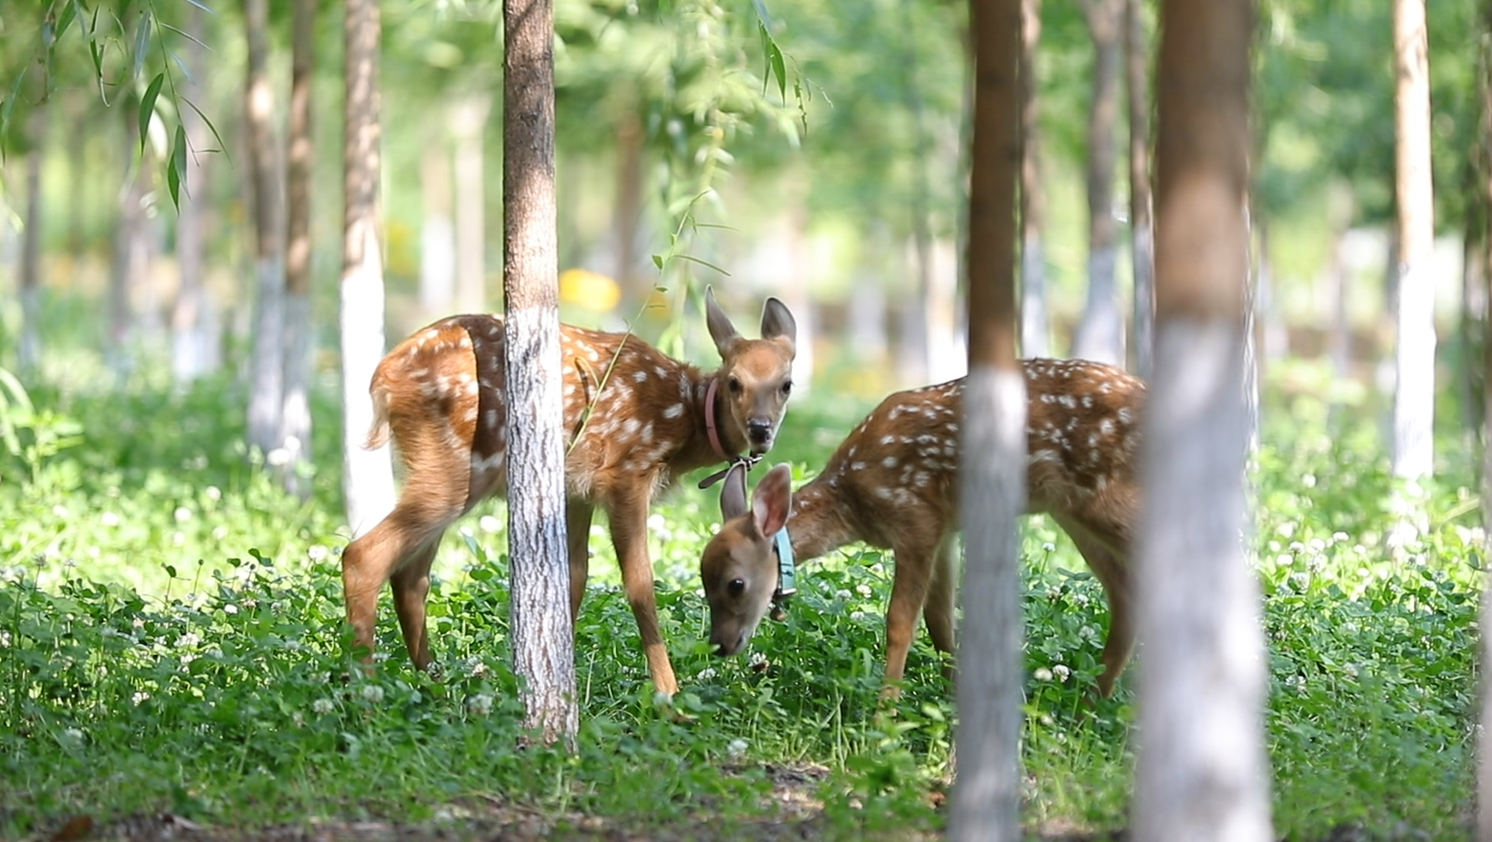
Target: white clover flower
187,658
878,568
479,705
178,538
140,698
109,519
59,511
737,749
842,594
322,706
317,552
706,674
212,492
214,652
219,532
476,667
182,514
293,645
758,659
372,693
230,608
1045,719
1043,674
857,616
662,699
188,639
1048,547
278,458
1061,671
73,735
1081,599
1087,633
297,719
862,589
1338,537
490,524
4,640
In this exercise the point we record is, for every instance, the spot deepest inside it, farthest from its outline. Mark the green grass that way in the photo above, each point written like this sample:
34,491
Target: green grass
171,639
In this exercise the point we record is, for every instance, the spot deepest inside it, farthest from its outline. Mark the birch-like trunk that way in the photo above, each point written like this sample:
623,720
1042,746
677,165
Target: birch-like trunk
28,353
986,793
368,477
194,349
1036,327
543,633
1484,715
1201,771
437,230
1100,332
300,341
467,121
1142,233
1414,362
267,354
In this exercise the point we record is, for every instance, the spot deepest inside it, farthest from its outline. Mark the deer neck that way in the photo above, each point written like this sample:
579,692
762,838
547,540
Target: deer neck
818,522
716,439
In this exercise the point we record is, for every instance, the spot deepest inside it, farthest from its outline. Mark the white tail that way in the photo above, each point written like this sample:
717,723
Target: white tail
634,419
893,483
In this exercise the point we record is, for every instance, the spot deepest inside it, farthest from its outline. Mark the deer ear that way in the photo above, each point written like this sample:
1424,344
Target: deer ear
733,493
721,330
774,496
778,323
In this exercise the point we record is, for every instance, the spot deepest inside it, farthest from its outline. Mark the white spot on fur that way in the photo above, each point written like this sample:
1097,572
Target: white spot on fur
674,411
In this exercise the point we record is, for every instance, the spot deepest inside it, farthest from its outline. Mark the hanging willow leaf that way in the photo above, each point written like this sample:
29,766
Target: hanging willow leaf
147,105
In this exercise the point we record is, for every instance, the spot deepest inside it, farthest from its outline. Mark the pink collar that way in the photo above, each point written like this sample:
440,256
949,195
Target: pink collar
710,420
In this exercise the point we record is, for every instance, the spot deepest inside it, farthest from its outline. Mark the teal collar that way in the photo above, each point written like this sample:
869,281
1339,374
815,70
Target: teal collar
787,581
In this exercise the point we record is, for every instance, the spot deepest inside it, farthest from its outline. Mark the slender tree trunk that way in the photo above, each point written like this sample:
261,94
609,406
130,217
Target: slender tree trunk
1276,340
1100,333
1473,316
986,795
916,356
300,340
1036,328
467,122
28,357
628,210
368,478
1201,772
193,353
1142,233
266,365
131,259
1414,390
437,231
543,635
1484,718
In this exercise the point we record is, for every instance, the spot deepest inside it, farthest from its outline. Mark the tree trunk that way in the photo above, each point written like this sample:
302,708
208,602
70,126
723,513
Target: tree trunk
1142,233
367,478
1414,389
986,795
28,354
1100,332
543,635
131,259
1036,328
193,350
266,364
1484,715
467,121
628,210
1201,771
437,231
300,343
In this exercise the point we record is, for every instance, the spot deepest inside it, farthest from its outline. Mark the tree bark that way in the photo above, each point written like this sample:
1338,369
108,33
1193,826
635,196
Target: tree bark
917,341
543,636
986,796
1142,233
28,353
628,210
1414,390
1484,715
1100,332
193,350
130,268
1201,771
368,478
1036,329
467,121
266,365
437,230
295,411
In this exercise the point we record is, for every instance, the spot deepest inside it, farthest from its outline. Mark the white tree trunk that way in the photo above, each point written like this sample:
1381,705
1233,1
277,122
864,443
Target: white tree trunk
986,795
193,350
267,360
295,420
28,354
437,231
1036,329
1202,775
1100,332
467,121
368,477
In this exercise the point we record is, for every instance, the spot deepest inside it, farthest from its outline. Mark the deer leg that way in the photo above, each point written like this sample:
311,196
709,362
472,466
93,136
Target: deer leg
939,609
629,534
372,559
908,595
1112,573
411,584
577,531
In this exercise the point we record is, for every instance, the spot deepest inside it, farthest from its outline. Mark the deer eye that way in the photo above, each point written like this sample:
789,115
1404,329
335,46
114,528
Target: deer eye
787,387
734,385
736,587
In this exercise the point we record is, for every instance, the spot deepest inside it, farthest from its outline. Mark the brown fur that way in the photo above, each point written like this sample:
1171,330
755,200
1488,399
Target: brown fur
440,396
893,483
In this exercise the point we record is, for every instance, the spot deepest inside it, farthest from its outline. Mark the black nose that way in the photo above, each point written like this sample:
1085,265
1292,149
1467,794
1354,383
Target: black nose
758,430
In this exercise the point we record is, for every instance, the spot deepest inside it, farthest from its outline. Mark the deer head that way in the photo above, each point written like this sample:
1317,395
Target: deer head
755,378
739,565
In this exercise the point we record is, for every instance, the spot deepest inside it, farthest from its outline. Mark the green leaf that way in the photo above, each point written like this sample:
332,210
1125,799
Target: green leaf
69,12
147,105
176,172
142,44
10,104
692,259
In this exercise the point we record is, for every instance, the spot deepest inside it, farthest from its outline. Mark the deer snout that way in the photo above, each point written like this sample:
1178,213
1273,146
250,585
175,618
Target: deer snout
759,431
726,644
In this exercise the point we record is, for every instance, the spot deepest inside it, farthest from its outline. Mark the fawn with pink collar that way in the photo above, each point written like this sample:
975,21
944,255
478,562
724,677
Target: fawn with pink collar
893,484
634,421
